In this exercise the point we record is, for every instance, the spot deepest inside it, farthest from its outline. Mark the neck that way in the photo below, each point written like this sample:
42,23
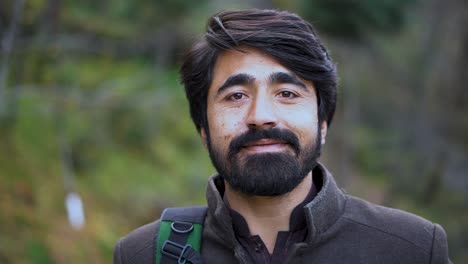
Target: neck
267,215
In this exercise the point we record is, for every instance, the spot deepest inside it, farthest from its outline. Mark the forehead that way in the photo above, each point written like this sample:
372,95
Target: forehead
249,61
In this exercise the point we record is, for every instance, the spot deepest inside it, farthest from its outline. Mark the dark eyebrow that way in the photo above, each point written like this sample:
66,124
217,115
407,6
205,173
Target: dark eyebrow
237,79
285,77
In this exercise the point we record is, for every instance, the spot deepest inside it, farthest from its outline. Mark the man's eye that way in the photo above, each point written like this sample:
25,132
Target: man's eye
287,94
236,96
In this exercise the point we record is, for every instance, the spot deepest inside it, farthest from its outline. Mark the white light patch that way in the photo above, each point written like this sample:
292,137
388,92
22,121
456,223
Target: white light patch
75,210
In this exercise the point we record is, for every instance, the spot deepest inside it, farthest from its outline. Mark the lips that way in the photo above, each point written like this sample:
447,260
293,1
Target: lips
264,142
265,145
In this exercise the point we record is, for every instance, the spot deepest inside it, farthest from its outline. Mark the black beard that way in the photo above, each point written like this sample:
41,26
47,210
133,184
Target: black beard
266,174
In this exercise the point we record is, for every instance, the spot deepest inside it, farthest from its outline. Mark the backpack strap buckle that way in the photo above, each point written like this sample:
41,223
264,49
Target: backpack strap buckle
176,251
181,227
179,237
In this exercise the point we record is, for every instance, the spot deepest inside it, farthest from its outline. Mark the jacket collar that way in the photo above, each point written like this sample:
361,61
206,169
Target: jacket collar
321,213
325,209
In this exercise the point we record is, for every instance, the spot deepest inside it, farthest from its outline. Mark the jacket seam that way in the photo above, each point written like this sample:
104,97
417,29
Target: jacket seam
432,244
121,252
388,233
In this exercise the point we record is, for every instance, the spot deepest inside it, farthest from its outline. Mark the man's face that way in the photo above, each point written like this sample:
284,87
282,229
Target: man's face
263,133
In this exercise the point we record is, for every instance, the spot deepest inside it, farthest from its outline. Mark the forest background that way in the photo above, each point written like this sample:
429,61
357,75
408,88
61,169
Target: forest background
91,109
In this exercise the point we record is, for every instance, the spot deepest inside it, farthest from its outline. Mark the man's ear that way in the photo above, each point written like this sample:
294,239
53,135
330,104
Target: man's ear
323,131
203,137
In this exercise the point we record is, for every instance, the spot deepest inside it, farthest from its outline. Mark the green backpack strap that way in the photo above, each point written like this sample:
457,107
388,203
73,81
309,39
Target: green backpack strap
180,234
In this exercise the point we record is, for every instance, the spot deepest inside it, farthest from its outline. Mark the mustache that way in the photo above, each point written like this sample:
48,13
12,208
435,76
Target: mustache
272,133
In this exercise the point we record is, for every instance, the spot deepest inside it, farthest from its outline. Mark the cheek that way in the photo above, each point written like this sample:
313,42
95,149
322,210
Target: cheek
227,119
302,118
304,124
224,127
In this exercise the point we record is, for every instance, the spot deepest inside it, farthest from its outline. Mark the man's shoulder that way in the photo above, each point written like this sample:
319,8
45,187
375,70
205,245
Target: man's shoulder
399,224
137,246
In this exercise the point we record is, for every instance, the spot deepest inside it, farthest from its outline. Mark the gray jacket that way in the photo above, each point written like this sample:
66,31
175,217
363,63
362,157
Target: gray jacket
341,229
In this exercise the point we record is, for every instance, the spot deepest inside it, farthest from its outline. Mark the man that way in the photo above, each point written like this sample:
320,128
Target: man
262,94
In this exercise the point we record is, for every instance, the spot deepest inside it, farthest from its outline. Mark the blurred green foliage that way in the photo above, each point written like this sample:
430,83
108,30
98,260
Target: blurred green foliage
353,19
91,103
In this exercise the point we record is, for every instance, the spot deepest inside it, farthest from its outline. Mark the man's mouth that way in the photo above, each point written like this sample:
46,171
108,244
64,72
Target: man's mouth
265,145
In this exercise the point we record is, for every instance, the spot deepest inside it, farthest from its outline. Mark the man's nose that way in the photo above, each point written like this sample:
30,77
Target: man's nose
261,114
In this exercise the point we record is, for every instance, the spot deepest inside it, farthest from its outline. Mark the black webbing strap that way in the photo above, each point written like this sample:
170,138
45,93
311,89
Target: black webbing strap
176,250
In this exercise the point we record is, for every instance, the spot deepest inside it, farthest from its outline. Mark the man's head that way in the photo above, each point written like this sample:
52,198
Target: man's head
262,91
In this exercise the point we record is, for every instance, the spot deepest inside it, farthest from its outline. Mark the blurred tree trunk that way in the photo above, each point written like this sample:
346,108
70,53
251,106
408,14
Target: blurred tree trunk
351,114
50,17
7,40
447,78
441,111
166,42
